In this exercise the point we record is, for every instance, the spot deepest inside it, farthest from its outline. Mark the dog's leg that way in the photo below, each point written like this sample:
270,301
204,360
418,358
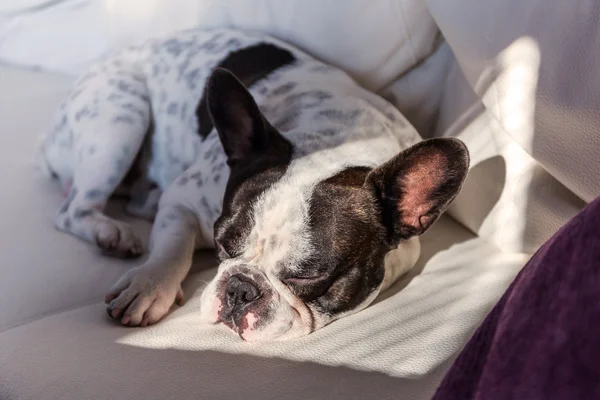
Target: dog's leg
142,192
145,294
144,198
106,152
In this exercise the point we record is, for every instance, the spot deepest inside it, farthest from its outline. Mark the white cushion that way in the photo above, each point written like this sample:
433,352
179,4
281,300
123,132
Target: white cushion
81,357
535,66
11,7
523,93
375,41
405,340
418,93
508,197
398,348
63,37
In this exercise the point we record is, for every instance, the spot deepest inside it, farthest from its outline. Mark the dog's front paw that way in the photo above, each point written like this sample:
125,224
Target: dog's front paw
143,296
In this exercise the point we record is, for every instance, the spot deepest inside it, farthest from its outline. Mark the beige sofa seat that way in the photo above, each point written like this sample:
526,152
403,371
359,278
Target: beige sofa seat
38,273
56,341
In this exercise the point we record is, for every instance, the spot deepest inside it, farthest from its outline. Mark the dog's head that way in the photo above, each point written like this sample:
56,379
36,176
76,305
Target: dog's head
295,257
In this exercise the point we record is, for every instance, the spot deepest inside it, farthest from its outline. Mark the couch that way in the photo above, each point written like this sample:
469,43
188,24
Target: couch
498,76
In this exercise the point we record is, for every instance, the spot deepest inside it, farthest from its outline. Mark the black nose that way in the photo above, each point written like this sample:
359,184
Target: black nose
240,292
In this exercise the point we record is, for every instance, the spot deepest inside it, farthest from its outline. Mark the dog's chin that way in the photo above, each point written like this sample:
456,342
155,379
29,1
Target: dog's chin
283,323
275,331
283,317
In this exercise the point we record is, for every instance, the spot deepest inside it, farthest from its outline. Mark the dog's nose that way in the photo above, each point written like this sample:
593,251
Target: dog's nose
240,292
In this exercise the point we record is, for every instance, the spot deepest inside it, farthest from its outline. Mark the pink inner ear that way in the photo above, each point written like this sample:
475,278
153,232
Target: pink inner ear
425,175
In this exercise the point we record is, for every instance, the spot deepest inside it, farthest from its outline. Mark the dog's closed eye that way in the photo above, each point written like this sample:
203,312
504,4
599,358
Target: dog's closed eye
309,287
223,253
304,280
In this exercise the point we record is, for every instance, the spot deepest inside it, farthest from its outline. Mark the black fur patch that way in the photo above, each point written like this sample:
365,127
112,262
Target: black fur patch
257,154
349,242
359,214
248,65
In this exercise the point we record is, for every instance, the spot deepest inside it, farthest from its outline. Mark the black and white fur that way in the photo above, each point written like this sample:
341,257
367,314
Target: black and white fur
313,189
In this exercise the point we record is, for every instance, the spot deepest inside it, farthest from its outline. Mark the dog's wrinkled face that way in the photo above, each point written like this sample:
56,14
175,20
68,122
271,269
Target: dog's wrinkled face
295,254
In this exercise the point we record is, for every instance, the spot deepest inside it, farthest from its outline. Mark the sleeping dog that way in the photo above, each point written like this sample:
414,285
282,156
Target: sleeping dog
312,190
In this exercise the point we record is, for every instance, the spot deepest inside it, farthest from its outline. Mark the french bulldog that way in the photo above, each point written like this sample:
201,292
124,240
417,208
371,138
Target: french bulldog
313,190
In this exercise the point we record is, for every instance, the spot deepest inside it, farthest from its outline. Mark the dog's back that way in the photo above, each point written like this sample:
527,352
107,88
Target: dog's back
160,85
137,121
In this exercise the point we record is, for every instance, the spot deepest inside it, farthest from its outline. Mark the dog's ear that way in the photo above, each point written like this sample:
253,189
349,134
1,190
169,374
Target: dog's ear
416,186
243,130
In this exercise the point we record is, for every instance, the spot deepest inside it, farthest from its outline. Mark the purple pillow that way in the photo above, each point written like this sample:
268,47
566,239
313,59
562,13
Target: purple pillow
542,340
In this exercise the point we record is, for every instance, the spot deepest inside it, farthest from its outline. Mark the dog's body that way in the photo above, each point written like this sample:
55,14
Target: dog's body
305,139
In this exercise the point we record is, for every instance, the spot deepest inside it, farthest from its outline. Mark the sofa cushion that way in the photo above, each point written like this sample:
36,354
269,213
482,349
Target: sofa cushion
404,341
398,348
374,41
418,93
508,197
519,94
80,357
536,69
